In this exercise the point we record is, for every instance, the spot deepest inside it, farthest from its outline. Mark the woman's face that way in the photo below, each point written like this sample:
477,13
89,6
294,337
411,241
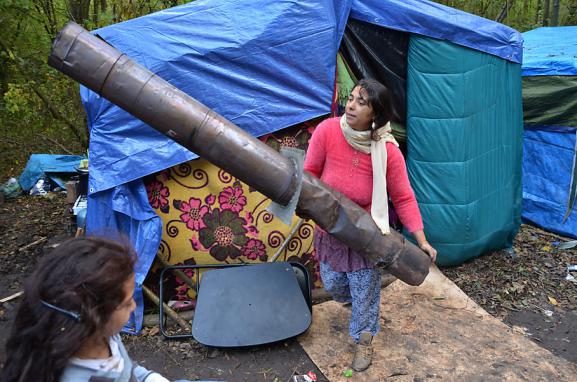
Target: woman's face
121,314
358,111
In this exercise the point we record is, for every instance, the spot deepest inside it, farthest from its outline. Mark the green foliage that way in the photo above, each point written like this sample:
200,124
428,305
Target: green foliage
16,99
522,15
570,17
40,109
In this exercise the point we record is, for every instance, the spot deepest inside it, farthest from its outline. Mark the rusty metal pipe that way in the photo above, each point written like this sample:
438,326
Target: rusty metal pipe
110,73
105,70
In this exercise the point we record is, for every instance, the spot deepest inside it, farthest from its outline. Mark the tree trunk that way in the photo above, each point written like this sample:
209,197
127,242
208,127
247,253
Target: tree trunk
46,9
86,10
485,5
537,11
525,9
79,10
114,17
555,15
546,7
96,12
505,10
571,17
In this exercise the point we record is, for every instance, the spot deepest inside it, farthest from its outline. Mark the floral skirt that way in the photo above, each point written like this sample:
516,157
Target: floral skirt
340,257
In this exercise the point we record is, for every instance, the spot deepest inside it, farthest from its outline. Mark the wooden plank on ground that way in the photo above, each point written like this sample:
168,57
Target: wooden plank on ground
431,332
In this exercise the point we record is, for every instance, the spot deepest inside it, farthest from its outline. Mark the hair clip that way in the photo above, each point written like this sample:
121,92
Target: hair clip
68,313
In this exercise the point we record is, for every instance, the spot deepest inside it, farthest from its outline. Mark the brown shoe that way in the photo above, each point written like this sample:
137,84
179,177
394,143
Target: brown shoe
363,352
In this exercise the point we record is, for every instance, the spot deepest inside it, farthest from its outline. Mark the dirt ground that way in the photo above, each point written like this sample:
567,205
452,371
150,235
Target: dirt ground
525,288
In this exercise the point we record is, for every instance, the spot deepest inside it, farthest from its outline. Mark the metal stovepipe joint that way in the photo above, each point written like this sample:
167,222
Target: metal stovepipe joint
105,70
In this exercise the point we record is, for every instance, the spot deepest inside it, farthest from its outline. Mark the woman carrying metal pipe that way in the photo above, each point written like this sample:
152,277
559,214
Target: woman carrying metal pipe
357,155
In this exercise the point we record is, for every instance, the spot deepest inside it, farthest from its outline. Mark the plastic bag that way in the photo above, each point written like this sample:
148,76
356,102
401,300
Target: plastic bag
11,189
38,188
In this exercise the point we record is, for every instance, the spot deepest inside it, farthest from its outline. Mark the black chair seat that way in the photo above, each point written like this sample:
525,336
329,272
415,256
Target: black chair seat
252,305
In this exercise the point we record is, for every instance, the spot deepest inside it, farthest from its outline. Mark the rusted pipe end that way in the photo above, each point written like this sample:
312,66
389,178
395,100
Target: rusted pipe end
62,44
75,48
411,262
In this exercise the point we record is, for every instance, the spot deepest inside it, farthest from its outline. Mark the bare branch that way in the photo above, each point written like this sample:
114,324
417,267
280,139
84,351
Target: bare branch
57,115
58,144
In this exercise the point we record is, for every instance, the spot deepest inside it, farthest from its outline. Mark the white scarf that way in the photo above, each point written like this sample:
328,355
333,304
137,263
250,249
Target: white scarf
361,141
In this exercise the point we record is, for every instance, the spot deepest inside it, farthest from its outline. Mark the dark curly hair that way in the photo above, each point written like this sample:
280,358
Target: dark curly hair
82,275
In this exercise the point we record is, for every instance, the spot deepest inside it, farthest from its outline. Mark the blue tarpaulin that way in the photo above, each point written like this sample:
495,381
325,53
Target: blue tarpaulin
264,65
50,165
550,52
549,93
547,169
444,23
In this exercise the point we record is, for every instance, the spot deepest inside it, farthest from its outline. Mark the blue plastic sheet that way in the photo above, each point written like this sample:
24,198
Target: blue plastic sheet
264,65
50,165
441,22
126,209
547,168
550,52
549,150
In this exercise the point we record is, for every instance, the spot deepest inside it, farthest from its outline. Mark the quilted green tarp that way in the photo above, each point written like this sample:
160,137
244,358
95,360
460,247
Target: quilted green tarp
464,122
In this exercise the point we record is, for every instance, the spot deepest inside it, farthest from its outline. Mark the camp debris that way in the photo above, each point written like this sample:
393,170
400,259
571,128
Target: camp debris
11,189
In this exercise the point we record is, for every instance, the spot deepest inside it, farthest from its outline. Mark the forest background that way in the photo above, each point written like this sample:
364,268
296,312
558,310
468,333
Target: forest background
40,109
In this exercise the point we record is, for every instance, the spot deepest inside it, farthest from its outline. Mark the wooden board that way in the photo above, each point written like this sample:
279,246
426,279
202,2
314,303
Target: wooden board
431,332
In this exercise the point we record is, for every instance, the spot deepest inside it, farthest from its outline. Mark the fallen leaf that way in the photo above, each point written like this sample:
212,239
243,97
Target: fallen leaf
154,331
552,301
519,330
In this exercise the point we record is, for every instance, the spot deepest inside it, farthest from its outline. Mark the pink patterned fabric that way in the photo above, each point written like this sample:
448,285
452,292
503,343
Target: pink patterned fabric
339,257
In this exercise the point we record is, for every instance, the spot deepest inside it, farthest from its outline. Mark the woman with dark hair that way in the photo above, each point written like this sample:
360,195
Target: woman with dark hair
358,156
75,304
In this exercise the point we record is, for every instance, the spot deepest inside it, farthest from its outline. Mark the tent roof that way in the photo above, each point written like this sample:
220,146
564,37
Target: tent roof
264,65
550,52
439,21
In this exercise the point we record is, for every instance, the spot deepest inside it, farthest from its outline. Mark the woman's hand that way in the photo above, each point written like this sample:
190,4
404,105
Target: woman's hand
424,244
429,250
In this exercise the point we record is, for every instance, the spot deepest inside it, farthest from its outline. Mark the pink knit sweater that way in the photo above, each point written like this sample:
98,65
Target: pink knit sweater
335,162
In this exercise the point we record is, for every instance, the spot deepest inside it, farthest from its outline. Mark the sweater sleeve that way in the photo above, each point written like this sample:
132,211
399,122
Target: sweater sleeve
400,190
316,153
